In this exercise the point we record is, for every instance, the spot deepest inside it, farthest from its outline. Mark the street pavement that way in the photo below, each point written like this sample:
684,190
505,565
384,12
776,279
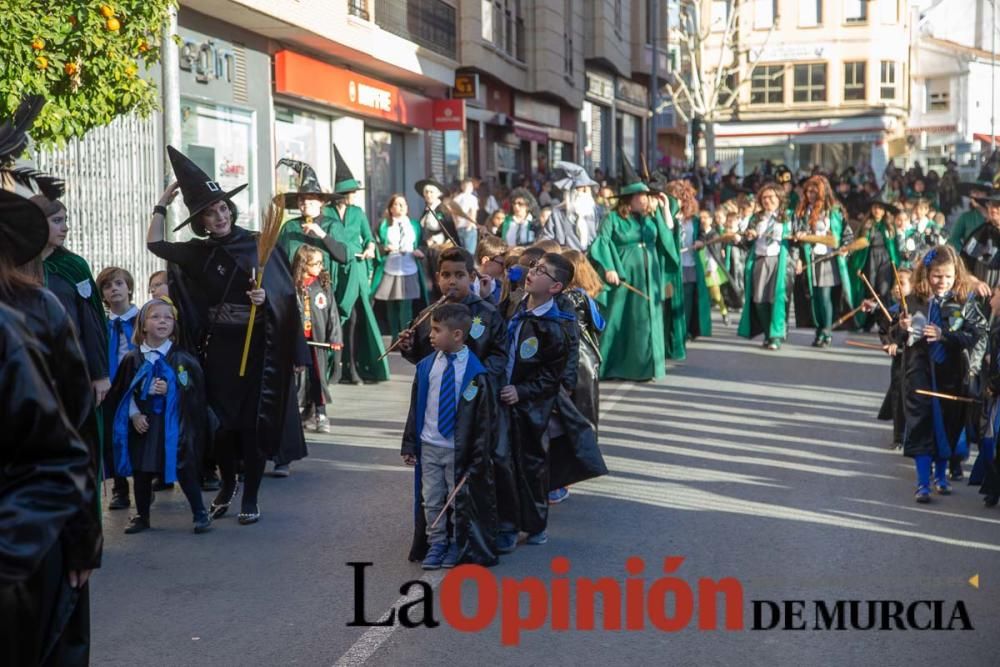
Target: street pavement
767,467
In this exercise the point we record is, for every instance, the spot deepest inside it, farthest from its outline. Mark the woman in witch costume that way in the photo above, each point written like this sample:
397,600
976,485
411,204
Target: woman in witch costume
769,269
876,261
632,246
820,232
697,304
981,248
212,279
362,338
399,276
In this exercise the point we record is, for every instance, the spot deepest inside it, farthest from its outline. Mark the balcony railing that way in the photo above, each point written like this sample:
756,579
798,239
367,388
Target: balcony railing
358,8
429,23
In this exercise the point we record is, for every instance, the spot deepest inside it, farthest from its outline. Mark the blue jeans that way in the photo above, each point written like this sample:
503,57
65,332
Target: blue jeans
469,238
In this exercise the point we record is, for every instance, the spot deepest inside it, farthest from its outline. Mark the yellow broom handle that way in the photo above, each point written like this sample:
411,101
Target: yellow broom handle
253,315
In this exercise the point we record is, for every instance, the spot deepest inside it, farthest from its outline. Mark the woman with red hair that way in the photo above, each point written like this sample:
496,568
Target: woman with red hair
697,313
821,234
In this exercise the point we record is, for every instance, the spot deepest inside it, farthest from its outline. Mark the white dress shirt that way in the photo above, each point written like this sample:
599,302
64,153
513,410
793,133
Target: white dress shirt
430,434
123,341
769,233
150,353
402,242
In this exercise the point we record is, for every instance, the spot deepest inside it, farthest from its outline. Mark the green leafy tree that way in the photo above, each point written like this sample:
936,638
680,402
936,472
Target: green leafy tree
88,58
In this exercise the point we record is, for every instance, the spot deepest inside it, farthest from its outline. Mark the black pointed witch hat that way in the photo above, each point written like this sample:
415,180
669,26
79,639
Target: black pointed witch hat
198,189
308,183
344,182
629,181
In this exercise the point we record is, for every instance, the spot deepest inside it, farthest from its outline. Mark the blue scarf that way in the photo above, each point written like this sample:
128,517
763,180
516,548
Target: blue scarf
127,329
170,404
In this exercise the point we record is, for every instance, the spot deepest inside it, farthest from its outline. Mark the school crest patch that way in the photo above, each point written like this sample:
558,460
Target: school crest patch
955,320
182,377
478,328
320,301
529,348
83,289
471,391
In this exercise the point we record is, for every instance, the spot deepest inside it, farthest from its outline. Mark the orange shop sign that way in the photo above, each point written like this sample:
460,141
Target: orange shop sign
307,78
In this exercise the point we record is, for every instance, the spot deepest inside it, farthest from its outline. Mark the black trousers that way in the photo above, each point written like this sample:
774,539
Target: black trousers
231,447
188,479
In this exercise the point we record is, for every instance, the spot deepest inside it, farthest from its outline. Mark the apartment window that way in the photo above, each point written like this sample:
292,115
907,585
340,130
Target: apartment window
767,85
763,13
720,15
568,38
810,13
887,80
503,26
809,84
938,95
854,81
855,11
518,29
888,11
358,8
429,23
618,16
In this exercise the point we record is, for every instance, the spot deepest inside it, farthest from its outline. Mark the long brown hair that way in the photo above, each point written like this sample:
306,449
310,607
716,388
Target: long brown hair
685,194
299,270
14,280
624,207
825,204
941,255
584,275
388,205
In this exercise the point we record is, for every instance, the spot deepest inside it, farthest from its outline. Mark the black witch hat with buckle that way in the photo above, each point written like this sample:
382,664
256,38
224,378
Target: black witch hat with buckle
308,183
197,188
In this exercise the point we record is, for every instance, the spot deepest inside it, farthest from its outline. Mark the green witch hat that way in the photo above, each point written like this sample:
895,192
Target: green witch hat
344,182
629,180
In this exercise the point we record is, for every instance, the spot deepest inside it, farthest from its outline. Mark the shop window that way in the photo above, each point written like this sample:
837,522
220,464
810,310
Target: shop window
854,81
305,137
810,13
767,85
809,83
384,166
222,141
938,95
855,11
887,80
358,8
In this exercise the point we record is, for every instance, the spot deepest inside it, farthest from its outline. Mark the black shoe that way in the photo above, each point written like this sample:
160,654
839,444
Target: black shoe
247,517
991,500
817,341
202,522
210,483
221,505
119,501
136,524
955,473
160,485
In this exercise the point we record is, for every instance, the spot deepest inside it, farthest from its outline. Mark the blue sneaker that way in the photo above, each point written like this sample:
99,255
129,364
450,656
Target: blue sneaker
506,542
435,556
923,495
557,496
451,557
537,539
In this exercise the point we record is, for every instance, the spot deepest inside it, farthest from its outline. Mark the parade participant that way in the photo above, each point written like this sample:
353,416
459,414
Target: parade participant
160,422
363,346
212,281
495,221
321,326
820,231
450,431
783,177
715,272
697,304
399,278
491,252
928,229
906,239
468,203
877,259
893,406
972,219
945,334
519,260
537,356
770,261
312,227
158,285
981,246
582,293
437,223
990,486
631,247
575,220
519,227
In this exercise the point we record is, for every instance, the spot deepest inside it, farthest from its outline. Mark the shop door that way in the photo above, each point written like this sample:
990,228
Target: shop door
304,137
384,166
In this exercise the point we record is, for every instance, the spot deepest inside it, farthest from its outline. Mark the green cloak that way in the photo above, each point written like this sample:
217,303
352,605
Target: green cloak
846,284
778,327
292,237
632,345
859,259
967,223
352,287
383,241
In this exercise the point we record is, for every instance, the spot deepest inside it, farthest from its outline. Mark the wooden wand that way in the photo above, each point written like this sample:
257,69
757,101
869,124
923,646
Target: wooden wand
949,397
633,289
865,346
450,500
420,320
846,317
875,294
899,290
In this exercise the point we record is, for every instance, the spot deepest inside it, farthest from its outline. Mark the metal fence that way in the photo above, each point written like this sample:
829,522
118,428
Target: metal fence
112,181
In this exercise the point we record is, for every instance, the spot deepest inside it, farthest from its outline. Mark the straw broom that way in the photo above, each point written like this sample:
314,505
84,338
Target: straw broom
274,219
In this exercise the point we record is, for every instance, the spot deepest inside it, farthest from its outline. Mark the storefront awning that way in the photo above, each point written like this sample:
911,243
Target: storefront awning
530,132
985,138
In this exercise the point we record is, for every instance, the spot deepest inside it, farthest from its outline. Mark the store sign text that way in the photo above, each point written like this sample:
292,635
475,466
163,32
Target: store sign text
370,96
207,61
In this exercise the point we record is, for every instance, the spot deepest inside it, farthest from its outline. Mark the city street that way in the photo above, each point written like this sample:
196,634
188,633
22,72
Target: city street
767,467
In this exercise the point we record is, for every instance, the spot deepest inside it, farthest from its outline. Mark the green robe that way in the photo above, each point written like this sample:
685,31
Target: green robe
352,287
292,237
632,345
847,294
383,241
674,321
967,223
750,326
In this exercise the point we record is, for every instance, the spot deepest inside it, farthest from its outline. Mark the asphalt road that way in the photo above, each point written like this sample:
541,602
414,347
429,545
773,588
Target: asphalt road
767,467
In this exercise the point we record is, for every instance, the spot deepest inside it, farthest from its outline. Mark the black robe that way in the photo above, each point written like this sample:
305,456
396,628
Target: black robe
892,408
965,342
213,275
990,482
326,329
44,470
475,507
981,254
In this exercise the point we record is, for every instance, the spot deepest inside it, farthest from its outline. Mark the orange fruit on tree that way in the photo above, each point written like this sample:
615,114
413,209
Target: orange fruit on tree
113,24
107,12
143,46
130,71
71,69
38,44
41,62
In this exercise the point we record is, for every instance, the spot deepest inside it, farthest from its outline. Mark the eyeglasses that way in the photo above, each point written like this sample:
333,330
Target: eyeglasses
537,268
520,203
318,262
